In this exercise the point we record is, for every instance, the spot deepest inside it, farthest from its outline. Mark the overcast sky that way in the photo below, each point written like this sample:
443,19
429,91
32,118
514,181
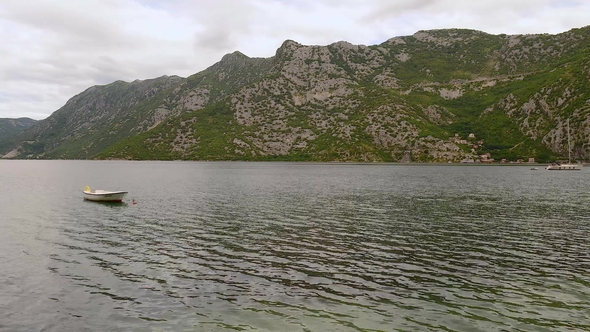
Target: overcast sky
52,50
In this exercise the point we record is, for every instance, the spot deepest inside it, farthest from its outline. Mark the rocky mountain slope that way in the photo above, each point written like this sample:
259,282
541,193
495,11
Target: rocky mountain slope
11,127
435,96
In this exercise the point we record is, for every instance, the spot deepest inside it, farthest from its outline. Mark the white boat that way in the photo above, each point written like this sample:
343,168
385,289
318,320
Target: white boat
565,166
103,195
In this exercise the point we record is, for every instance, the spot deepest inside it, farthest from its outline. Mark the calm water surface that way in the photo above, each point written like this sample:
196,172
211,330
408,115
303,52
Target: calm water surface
293,247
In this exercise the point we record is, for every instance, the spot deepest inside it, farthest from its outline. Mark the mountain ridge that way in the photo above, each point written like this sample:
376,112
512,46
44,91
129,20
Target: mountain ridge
10,127
404,99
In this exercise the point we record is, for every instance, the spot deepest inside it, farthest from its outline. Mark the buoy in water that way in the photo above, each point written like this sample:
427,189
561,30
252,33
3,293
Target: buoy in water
134,202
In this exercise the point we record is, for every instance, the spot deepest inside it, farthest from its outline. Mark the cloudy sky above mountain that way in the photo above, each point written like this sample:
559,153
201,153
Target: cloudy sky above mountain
52,50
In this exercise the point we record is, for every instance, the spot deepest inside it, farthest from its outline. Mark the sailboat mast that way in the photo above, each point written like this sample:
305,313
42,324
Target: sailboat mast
569,148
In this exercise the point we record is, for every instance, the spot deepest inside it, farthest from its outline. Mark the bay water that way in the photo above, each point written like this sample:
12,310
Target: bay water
236,246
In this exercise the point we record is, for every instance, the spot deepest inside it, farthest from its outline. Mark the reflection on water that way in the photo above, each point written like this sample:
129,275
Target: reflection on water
110,204
306,247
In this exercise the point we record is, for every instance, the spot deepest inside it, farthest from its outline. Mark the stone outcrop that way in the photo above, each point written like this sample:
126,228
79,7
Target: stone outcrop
398,101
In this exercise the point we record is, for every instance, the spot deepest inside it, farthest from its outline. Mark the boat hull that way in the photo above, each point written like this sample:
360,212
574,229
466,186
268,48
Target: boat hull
105,196
564,167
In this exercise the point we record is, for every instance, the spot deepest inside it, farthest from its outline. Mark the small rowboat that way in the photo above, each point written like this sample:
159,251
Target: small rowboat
103,195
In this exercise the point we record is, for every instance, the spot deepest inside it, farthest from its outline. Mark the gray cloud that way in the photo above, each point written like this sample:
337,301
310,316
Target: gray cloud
54,49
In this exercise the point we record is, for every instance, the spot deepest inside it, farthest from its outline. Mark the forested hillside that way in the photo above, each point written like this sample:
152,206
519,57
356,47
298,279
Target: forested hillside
435,96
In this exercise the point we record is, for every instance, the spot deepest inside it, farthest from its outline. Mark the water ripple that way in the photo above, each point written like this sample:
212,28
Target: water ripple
302,250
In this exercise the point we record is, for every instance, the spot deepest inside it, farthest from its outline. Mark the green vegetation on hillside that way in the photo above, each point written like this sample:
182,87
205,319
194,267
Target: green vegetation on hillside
402,100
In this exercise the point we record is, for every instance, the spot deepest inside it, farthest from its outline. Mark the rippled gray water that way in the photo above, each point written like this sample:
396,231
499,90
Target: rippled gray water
293,247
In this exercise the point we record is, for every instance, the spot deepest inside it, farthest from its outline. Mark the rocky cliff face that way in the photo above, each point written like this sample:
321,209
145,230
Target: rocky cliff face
11,127
405,99
98,117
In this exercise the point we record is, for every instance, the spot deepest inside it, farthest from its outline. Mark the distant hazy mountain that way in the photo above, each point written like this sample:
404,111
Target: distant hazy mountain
435,96
11,127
